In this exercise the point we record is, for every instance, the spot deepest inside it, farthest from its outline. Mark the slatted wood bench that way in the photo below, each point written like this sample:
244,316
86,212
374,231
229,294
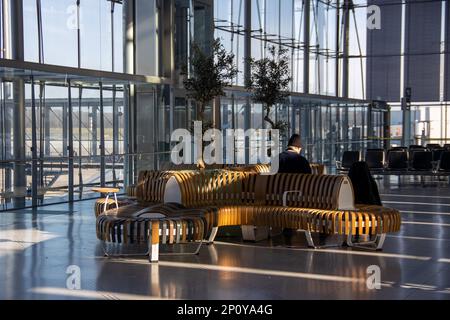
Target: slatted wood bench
143,189
312,203
152,226
322,204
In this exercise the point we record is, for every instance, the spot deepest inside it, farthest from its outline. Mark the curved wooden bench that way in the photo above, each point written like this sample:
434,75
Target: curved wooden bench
152,226
312,203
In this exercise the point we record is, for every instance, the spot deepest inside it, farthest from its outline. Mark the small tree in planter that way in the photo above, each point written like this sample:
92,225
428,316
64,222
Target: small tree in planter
210,74
269,83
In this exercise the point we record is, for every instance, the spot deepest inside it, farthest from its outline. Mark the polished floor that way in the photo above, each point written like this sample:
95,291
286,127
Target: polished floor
37,248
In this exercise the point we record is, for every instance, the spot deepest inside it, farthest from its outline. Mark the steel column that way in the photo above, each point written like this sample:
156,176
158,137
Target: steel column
346,47
102,140
306,40
338,32
17,53
129,16
69,140
34,168
247,69
65,146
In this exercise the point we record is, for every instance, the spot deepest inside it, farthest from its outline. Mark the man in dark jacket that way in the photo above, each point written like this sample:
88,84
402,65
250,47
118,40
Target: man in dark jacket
291,161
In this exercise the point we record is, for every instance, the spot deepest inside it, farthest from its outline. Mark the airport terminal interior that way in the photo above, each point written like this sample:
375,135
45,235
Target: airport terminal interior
94,95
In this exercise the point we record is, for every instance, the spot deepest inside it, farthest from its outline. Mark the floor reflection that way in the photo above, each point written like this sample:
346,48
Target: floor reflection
36,249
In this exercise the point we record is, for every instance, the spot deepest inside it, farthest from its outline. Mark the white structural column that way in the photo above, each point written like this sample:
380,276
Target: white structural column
129,91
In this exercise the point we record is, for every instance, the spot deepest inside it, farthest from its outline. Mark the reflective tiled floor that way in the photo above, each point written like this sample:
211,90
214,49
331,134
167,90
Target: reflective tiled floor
36,248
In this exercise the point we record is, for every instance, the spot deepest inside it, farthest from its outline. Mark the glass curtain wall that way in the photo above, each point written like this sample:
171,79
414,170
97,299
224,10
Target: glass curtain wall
322,122
96,117
284,23
84,33
89,118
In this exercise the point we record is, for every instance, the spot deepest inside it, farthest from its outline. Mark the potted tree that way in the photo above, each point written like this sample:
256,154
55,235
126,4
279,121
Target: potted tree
210,73
269,83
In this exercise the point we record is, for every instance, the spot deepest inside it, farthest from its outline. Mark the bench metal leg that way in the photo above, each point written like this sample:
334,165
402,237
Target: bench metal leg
152,252
196,252
118,255
253,233
213,235
115,200
374,245
105,207
311,243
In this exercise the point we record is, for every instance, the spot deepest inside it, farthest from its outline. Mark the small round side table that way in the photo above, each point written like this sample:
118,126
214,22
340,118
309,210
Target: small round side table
109,192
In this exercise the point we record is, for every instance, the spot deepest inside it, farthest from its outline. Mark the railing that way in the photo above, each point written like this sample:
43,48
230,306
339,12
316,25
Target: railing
53,176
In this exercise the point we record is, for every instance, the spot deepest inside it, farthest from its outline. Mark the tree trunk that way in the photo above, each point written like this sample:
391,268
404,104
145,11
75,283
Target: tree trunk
267,118
201,117
201,112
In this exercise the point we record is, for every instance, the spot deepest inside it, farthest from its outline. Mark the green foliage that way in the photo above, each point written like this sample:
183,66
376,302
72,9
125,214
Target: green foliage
269,82
210,74
281,126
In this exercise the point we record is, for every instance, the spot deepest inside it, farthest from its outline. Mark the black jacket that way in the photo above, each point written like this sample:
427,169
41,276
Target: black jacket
291,162
364,185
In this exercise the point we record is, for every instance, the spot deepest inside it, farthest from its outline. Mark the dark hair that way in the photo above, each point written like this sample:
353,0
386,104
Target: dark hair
295,141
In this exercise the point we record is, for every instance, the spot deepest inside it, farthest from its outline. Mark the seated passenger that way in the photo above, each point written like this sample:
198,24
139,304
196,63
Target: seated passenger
291,161
364,185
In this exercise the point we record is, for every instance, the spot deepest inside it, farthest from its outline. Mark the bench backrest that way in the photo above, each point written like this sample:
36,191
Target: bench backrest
210,188
310,191
151,186
197,189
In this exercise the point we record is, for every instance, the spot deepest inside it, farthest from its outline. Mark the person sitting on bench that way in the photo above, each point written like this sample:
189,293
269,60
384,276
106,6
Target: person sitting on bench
291,161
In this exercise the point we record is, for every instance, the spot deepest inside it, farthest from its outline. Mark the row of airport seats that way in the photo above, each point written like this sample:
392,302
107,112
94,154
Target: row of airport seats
433,158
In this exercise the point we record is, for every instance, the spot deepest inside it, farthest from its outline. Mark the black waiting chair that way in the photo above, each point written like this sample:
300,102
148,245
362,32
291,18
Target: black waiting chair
433,146
422,161
437,154
348,159
447,146
416,146
375,158
413,149
399,149
444,163
397,160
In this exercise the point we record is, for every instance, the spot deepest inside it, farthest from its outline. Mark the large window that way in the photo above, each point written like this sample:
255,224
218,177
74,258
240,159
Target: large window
61,33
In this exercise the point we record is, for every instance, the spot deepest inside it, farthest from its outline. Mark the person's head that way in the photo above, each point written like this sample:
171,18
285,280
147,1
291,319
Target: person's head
295,143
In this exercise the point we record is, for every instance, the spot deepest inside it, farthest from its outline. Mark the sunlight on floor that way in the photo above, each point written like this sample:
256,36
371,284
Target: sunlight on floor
89,294
15,240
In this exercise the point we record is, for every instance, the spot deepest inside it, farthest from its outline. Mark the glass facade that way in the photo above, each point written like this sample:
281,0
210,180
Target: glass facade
122,62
